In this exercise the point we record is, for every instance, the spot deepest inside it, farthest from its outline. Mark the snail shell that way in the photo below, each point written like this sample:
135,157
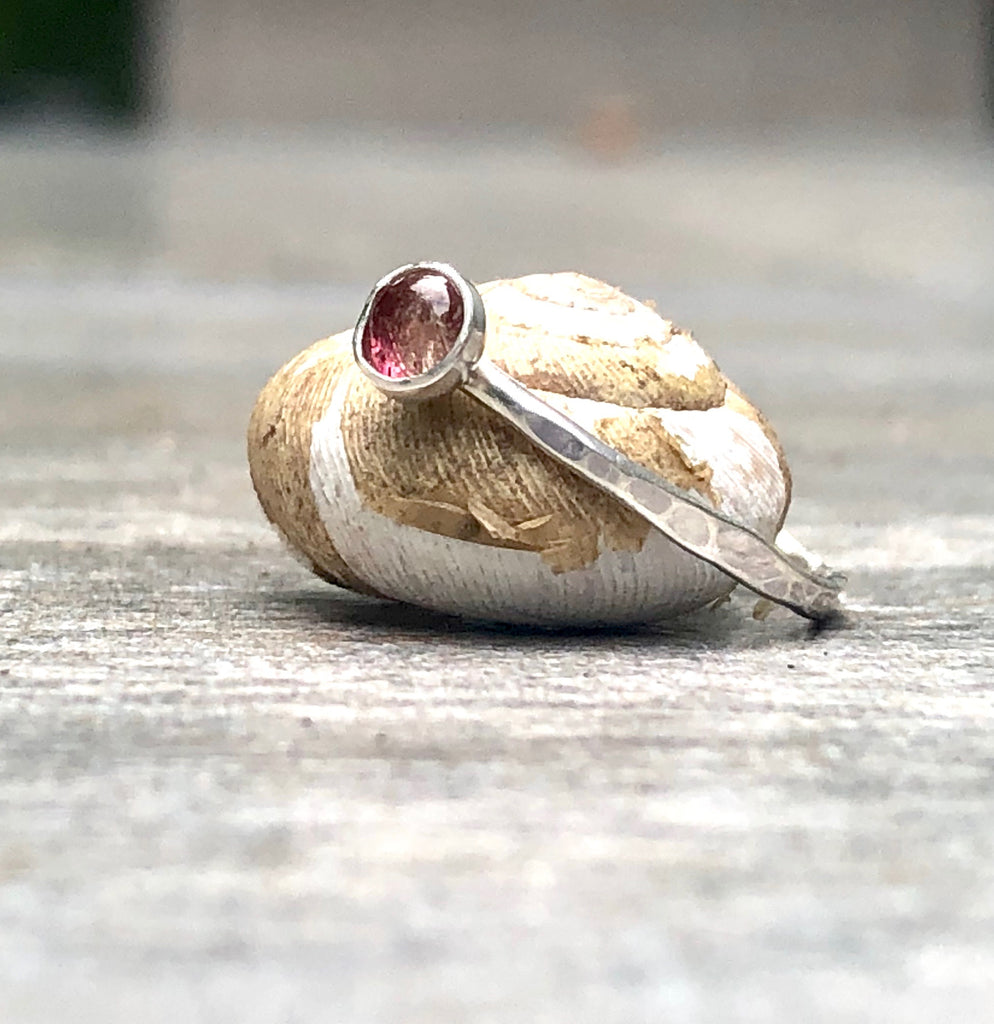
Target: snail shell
443,504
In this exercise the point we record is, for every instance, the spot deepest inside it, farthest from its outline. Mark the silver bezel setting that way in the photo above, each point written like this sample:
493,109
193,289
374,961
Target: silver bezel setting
454,369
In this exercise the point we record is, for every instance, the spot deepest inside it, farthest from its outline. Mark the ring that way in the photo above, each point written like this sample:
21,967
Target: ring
422,333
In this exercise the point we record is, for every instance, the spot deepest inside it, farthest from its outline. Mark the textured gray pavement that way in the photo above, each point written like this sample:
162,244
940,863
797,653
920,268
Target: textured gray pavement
230,793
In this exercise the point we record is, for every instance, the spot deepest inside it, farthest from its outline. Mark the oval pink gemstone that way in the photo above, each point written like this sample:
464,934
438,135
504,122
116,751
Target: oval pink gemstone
413,323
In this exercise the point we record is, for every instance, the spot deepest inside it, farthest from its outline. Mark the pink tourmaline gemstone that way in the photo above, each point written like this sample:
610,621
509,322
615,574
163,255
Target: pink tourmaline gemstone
413,323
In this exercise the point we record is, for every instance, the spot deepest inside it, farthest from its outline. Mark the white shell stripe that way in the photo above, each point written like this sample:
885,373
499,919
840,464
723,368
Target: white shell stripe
487,582
745,469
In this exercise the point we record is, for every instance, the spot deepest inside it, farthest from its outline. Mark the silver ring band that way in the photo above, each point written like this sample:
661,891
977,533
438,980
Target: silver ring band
421,334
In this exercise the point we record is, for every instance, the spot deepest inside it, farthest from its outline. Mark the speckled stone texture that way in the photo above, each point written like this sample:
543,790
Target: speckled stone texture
231,793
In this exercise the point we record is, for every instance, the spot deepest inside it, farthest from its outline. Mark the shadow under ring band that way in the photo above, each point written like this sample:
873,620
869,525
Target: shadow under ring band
422,334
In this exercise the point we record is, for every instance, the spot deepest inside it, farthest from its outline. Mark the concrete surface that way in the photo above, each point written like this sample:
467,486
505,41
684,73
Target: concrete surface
230,793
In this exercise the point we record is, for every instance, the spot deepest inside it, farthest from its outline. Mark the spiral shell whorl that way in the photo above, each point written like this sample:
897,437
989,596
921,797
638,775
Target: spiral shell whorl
444,505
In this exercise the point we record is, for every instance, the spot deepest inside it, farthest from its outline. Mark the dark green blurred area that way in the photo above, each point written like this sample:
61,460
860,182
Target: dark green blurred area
78,58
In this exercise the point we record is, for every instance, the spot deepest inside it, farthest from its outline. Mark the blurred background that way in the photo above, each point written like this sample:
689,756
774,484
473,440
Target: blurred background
651,142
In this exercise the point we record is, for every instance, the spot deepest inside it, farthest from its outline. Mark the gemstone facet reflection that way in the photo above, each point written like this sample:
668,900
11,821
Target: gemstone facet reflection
413,323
